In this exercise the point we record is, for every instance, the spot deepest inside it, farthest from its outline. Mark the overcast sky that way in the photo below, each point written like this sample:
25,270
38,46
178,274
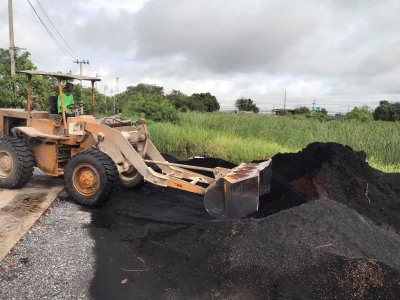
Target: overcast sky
340,52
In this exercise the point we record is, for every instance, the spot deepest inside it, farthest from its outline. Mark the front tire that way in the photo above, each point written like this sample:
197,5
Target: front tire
90,177
16,163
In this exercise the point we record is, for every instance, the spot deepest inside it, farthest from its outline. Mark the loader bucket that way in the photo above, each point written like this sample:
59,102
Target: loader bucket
236,194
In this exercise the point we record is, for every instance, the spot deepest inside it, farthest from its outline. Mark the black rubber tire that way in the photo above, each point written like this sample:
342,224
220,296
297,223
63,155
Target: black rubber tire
22,163
107,176
131,181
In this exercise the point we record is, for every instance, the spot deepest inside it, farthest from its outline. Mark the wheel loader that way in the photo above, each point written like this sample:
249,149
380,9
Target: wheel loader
96,157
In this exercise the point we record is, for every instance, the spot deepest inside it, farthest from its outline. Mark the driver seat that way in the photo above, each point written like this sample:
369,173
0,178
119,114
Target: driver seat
52,105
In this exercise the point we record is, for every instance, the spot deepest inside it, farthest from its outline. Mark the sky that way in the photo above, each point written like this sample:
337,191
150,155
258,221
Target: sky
336,54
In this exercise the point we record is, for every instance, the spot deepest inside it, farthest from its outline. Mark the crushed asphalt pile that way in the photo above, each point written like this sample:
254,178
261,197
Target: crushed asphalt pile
332,171
329,229
320,250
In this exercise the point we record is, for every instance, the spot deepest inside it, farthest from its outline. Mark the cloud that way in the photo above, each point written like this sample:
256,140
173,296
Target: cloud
223,38
256,48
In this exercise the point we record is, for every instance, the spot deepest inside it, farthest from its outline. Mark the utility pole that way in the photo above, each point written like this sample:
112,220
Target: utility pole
80,62
284,100
313,105
11,34
113,98
97,76
117,79
105,99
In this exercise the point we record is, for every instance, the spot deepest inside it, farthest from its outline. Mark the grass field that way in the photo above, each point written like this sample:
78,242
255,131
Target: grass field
245,137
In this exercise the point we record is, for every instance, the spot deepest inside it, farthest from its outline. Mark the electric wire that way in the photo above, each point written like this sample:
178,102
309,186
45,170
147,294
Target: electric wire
76,56
62,49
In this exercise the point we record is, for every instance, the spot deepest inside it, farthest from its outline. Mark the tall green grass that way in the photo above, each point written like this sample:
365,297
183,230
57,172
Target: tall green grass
245,137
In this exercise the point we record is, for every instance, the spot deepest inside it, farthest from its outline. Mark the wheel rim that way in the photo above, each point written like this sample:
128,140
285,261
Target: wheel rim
86,179
6,164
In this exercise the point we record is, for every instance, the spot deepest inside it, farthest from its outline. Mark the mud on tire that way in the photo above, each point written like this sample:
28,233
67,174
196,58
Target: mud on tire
16,163
90,176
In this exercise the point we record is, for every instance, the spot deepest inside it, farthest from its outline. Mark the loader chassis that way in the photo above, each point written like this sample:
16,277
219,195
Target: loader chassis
43,136
96,157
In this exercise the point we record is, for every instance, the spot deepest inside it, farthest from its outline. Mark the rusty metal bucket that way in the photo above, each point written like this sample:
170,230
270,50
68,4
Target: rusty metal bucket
236,194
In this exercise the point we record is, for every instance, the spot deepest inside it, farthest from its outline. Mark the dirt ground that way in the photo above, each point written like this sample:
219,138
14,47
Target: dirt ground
328,230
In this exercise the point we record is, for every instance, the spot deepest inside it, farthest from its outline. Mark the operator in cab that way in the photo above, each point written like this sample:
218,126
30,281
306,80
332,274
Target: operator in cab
68,99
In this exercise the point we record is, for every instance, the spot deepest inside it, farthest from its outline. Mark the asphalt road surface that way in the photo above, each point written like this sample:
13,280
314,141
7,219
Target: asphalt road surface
74,252
20,208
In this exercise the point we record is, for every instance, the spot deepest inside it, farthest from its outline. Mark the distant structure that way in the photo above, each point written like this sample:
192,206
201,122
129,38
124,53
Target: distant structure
231,111
282,111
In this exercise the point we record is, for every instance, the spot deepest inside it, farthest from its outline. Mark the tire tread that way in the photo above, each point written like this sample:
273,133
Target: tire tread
110,169
25,163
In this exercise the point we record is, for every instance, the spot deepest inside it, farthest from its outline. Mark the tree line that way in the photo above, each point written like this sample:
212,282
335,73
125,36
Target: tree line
145,100
386,111
149,100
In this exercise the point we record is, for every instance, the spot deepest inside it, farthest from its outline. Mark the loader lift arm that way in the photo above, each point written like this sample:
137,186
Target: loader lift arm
96,157
230,193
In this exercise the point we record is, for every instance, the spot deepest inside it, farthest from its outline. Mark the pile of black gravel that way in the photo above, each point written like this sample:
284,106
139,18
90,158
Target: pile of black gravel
329,229
319,250
336,172
317,235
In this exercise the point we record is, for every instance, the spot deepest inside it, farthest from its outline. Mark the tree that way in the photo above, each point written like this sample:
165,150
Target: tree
148,101
203,102
13,89
302,110
244,104
84,95
144,88
151,106
323,112
387,111
362,114
179,100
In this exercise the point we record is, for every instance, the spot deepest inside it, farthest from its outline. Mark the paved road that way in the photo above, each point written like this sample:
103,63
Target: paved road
79,253
19,209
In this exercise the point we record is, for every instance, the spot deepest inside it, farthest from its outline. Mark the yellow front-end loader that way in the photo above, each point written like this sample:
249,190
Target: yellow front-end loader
96,157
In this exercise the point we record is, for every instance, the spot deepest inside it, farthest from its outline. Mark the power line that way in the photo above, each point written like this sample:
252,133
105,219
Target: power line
54,27
62,49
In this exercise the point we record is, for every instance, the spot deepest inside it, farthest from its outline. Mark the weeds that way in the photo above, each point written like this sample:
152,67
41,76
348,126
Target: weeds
246,137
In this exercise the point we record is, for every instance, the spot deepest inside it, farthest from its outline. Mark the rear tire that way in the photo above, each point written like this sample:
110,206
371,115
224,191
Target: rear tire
16,163
90,177
131,179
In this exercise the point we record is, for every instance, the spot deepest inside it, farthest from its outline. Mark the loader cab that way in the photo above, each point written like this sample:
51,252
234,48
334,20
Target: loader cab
52,100
50,121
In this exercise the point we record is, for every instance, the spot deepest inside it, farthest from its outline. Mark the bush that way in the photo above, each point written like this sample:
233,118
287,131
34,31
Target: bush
302,110
203,102
321,115
244,104
387,111
362,114
150,106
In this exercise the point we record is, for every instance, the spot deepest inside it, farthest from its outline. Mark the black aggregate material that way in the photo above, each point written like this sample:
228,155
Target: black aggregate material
320,234
333,171
329,229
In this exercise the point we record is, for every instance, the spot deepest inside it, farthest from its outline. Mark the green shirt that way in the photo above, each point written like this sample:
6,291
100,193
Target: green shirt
67,101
